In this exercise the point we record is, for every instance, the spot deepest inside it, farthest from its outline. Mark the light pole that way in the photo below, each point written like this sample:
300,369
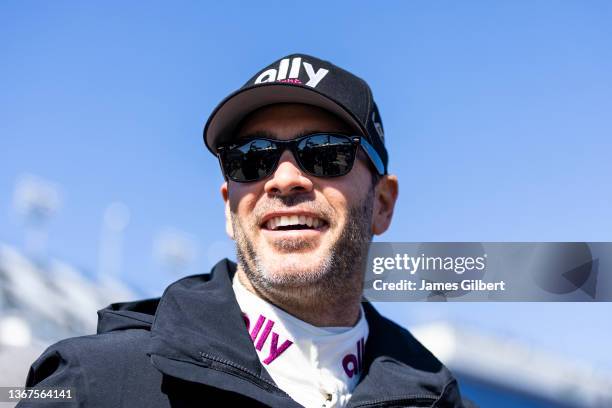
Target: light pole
36,201
174,250
114,222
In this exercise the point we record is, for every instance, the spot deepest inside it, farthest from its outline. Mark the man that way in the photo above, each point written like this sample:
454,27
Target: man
301,148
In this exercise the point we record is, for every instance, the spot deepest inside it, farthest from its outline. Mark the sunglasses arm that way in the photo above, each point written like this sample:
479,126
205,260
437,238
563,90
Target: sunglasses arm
373,155
219,150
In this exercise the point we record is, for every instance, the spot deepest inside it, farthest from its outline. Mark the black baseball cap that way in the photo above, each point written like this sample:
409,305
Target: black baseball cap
300,78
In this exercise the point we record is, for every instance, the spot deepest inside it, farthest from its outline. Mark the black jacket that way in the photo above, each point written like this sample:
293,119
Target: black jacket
191,348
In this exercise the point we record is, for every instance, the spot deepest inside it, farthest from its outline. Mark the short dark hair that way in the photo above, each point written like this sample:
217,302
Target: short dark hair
375,178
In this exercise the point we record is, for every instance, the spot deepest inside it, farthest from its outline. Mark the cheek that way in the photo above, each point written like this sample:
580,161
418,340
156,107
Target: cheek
336,198
349,190
339,201
346,192
242,199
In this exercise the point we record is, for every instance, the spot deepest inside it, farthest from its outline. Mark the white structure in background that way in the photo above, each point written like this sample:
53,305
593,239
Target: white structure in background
15,331
43,300
115,220
43,303
36,201
174,250
510,363
55,300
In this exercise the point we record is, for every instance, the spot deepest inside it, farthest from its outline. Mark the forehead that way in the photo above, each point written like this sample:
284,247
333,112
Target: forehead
289,120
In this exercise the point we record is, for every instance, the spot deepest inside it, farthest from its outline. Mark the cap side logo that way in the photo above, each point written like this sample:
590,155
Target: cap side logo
378,127
280,74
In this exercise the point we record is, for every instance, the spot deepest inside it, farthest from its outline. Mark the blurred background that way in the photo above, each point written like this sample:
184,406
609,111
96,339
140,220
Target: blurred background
497,120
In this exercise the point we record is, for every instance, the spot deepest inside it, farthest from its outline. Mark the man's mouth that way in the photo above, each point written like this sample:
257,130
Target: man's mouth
294,222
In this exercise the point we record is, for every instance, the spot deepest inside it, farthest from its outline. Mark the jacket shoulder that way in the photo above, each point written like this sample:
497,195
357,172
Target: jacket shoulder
98,367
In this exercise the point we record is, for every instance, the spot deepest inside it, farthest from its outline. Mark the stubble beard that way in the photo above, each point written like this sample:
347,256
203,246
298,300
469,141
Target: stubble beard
338,275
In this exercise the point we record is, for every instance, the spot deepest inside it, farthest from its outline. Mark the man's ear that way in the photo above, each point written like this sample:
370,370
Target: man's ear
385,195
228,217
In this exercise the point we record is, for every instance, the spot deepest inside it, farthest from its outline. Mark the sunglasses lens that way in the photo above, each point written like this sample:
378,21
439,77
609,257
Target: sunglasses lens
251,161
326,155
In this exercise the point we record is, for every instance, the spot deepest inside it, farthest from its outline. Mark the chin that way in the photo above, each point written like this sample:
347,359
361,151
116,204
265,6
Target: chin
295,269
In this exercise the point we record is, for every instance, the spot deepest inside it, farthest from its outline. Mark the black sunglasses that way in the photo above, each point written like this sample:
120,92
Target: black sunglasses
318,154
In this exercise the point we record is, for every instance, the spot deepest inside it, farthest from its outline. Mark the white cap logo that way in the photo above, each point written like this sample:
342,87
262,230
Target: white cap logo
280,75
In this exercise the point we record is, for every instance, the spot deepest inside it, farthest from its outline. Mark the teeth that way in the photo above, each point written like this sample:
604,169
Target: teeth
287,220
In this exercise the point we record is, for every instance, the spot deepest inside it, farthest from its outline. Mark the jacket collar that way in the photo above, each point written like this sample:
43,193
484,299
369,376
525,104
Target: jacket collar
198,335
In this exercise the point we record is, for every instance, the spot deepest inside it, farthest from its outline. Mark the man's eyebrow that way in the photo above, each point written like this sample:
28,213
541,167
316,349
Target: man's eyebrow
264,134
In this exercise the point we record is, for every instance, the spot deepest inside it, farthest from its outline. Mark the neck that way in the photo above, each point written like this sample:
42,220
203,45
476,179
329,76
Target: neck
339,308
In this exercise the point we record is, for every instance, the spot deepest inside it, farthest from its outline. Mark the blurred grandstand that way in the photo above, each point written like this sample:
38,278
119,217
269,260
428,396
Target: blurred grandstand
41,303
502,372
43,299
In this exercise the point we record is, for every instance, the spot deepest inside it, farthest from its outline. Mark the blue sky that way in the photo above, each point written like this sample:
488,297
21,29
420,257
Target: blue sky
497,116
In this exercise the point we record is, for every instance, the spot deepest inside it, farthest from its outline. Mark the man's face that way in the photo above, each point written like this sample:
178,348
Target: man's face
334,213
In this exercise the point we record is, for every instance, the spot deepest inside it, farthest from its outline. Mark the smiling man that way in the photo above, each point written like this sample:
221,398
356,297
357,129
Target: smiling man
301,147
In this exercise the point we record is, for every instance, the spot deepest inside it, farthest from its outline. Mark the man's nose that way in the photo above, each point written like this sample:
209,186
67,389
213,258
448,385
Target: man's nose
288,178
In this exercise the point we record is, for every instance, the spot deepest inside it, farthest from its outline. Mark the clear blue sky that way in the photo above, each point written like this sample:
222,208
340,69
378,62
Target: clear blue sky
497,116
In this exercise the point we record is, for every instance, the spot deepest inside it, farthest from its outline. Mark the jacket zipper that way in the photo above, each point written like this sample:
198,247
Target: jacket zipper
234,369
245,374
412,399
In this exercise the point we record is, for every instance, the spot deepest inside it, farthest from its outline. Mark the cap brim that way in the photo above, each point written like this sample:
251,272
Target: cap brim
221,124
